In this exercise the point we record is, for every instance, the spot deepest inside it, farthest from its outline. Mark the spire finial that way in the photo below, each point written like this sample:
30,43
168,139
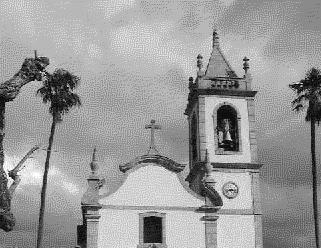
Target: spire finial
199,62
94,155
215,38
94,165
190,84
246,65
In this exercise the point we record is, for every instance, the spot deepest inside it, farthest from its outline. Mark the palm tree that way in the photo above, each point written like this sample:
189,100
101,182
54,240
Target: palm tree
56,90
308,92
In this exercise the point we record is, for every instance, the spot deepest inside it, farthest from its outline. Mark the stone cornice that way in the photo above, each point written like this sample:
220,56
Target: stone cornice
91,207
249,166
201,209
194,93
209,218
199,166
167,163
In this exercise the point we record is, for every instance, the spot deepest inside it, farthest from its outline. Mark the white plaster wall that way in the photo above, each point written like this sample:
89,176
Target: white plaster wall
243,181
120,229
152,185
211,102
235,231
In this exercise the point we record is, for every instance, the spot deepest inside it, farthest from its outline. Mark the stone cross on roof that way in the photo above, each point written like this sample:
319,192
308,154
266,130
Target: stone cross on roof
152,126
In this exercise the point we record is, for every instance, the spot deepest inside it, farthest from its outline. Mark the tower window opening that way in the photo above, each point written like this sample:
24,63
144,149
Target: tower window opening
227,128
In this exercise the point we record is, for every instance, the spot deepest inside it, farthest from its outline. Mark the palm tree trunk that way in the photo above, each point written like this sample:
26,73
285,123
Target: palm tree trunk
2,125
44,186
314,185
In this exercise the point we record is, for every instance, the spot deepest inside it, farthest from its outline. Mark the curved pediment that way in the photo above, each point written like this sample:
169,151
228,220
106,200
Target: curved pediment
152,185
163,161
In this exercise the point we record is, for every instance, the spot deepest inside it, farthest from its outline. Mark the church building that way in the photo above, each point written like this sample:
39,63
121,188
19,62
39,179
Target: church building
217,205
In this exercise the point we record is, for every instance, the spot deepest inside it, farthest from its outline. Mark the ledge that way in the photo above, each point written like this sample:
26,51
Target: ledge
92,207
194,93
167,163
250,166
199,167
152,245
208,209
227,92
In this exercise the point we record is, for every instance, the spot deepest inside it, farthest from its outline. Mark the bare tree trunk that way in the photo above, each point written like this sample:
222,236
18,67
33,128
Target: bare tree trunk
314,185
31,70
7,220
44,186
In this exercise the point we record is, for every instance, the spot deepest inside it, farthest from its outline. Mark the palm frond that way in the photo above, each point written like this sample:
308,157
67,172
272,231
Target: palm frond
298,107
57,90
308,92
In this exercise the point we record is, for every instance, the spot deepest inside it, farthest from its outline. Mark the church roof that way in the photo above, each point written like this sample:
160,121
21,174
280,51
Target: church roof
218,66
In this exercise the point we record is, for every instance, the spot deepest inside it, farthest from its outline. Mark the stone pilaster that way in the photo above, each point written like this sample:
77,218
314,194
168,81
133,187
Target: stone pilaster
258,231
210,221
257,209
91,221
252,132
90,207
201,128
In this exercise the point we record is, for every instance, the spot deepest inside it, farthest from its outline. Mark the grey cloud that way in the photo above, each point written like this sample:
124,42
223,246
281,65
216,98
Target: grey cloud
121,96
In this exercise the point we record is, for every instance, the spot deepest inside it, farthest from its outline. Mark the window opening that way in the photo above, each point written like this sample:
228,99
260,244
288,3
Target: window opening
227,128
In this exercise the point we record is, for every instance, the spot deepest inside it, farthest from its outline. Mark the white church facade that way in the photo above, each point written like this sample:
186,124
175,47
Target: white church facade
217,205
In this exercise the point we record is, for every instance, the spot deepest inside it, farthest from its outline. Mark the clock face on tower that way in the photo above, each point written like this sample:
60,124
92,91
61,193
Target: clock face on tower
230,190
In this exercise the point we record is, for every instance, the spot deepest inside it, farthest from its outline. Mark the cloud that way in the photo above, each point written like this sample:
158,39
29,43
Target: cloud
32,174
134,59
19,15
111,8
149,45
287,215
227,3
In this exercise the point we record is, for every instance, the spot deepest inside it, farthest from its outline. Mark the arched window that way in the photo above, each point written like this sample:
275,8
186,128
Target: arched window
227,129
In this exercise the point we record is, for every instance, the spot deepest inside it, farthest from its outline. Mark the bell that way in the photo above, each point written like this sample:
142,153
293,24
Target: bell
227,136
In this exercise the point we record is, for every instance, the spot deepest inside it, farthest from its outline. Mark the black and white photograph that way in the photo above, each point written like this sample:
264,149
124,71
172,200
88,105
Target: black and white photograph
160,123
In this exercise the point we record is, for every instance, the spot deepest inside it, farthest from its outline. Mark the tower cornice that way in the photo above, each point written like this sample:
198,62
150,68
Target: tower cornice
194,93
199,167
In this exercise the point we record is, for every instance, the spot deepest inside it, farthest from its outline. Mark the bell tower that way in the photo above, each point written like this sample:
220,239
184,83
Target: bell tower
222,144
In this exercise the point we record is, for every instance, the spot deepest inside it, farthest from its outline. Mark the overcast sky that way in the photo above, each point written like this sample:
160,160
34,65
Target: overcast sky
134,59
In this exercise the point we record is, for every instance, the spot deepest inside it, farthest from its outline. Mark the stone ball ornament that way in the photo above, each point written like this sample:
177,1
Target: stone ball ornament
230,190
